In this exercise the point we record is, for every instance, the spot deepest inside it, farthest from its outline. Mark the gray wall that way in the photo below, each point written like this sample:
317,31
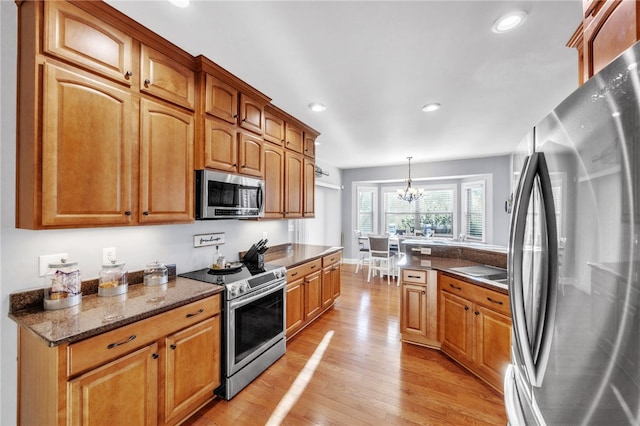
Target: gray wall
442,171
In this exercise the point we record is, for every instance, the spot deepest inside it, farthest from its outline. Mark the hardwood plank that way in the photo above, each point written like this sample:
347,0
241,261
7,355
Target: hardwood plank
366,375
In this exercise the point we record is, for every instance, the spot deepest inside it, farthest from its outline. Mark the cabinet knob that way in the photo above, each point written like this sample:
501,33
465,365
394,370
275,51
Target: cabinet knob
424,292
466,308
477,313
235,165
156,355
235,116
173,347
127,213
244,120
128,74
244,166
147,82
145,213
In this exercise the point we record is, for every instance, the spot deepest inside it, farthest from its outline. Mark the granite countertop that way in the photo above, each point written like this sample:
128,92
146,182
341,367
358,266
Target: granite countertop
443,264
96,315
291,255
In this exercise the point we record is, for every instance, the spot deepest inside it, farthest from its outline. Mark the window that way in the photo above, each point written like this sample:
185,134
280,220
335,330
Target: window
473,210
431,214
367,200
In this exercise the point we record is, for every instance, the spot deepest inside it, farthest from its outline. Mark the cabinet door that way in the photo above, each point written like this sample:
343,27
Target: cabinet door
312,295
294,136
221,99
121,392
309,188
335,272
221,146
192,368
273,129
250,158
295,306
162,76
414,310
309,145
493,344
88,141
293,175
251,114
273,181
166,164
84,40
327,287
456,322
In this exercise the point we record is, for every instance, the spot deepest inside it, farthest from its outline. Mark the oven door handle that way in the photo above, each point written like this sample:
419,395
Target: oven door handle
244,300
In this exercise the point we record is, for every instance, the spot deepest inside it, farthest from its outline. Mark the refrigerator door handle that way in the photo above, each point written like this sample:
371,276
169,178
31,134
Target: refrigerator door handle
547,317
522,346
511,403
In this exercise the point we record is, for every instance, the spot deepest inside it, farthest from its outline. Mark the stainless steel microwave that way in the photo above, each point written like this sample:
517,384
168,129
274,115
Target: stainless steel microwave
226,196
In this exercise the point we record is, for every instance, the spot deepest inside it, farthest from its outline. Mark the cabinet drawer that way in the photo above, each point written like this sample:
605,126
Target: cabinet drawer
92,352
458,287
414,276
331,258
304,269
499,302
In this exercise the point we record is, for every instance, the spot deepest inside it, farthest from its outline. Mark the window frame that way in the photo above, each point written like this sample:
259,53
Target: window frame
464,211
374,208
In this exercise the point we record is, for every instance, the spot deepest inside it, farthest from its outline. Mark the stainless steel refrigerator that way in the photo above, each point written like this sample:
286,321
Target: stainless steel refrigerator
573,258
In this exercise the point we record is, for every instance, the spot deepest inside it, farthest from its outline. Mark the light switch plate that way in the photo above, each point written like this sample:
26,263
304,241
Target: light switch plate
46,259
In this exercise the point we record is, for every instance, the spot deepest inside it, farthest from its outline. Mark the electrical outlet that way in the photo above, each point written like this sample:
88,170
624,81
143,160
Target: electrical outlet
425,250
108,255
46,259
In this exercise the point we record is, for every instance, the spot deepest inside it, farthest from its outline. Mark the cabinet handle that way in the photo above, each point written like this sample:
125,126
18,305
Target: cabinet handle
235,116
156,355
336,267
128,74
127,213
413,276
244,166
172,346
453,286
193,315
477,313
115,345
466,308
424,292
244,120
145,213
313,266
147,82
497,302
294,274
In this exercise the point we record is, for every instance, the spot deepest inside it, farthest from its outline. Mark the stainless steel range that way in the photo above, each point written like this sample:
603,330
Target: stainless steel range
253,321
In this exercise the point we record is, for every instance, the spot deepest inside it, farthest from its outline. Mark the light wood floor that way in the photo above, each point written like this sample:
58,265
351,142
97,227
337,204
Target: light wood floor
350,368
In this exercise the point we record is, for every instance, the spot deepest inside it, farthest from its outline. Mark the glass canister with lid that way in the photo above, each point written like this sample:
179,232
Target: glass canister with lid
62,285
156,273
113,279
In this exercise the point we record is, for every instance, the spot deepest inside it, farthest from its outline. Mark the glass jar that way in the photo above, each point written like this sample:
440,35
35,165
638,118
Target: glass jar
62,285
113,280
156,274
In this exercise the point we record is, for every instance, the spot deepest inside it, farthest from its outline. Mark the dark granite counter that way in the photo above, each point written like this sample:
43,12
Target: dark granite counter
96,315
445,264
291,255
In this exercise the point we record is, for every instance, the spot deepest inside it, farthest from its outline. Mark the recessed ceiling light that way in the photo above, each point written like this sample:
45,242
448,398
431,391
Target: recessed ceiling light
317,107
180,3
509,21
431,107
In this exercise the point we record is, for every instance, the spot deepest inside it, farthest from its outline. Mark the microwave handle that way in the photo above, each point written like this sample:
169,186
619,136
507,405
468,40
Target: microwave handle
260,198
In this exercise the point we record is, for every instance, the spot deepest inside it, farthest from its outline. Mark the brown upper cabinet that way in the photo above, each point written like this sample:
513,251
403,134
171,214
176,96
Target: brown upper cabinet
310,144
273,127
608,28
86,41
294,138
165,78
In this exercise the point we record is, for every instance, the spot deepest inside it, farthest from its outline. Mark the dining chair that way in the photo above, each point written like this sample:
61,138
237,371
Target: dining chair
363,250
380,257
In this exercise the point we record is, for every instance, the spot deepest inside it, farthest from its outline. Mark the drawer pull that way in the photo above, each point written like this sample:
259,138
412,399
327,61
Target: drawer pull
313,266
193,315
294,274
415,249
453,286
497,302
115,345
414,276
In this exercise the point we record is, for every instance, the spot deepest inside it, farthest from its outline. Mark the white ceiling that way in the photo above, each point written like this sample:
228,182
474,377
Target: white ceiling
374,64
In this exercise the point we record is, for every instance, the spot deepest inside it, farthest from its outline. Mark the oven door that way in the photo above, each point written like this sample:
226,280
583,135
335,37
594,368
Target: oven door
255,322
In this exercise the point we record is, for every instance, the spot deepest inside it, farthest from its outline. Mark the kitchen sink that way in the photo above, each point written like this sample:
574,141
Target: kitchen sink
484,271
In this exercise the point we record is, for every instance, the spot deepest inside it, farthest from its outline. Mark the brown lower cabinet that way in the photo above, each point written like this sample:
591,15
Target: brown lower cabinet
475,328
311,289
156,371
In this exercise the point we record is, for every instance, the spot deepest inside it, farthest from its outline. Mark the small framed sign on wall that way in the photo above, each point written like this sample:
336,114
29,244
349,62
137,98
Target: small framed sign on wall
205,240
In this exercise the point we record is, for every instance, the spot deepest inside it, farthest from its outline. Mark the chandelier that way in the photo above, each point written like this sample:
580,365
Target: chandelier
410,194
